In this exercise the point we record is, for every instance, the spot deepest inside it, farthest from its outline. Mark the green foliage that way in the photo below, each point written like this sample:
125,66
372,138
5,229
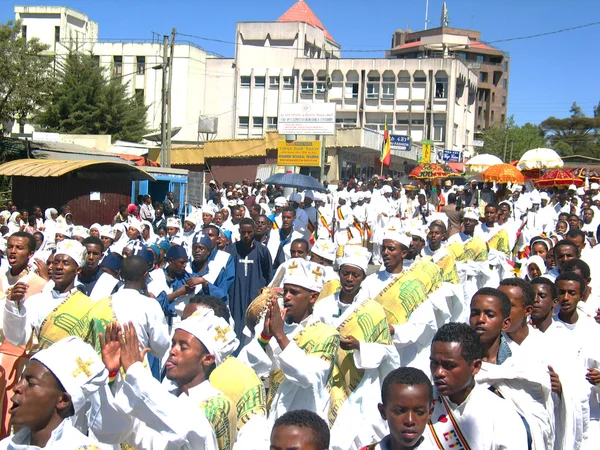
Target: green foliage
516,139
577,133
86,102
26,80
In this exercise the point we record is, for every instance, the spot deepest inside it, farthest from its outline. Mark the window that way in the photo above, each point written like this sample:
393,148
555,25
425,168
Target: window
420,78
418,122
308,83
24,31
345,122
139,96
288,82
56,34
502,118
466,143
479,58
351,90
441,85
273,82
504,83
257,122
492,116
439,130
504,100
483,77
245,81
402,122
455,135
505,65
389,87
271,123
140,62
321,84
259,81
244,122
493,97
373,85
118,65
96,59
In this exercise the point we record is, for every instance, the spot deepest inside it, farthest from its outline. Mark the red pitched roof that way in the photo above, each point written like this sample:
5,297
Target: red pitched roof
408,45
472,44
301,12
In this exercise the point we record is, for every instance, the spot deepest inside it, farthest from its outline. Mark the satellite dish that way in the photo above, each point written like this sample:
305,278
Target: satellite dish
155,136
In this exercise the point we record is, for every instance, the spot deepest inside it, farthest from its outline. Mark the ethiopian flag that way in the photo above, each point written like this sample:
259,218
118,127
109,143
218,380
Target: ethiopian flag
386,154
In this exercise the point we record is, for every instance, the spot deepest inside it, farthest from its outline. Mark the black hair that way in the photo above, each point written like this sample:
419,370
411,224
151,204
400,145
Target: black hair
461,333
492,205
217,305
580,264
28,236
122,208
288,209
408,376
572,276
302,418
302,241
256,208
574,233
31,220
93,240
133,268
528,294
40,234
63,208
439,224
505,305
566,243
547,282
540,240
247,221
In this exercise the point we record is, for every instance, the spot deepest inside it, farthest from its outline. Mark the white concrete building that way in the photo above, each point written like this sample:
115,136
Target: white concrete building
293,59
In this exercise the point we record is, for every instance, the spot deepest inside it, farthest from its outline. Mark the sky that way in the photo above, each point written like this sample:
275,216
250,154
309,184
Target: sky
547,75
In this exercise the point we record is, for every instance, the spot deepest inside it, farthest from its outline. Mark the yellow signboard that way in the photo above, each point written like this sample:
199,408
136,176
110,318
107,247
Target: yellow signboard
299,153
426,152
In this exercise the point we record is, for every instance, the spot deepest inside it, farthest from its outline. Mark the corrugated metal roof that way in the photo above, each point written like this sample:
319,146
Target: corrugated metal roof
57,168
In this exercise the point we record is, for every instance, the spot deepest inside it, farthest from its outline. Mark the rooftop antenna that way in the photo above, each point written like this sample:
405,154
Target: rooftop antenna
426,13
445,19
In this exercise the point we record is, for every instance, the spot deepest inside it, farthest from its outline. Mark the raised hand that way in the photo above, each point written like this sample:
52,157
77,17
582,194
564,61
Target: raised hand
130,347
18,292
110,346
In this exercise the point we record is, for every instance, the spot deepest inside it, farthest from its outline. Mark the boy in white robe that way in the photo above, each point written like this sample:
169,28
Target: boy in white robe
144,413
466,413
294,348
54,388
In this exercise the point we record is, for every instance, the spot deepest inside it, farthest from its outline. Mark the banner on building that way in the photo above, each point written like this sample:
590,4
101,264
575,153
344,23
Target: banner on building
299,153
426,152
306,118
401,143
451,156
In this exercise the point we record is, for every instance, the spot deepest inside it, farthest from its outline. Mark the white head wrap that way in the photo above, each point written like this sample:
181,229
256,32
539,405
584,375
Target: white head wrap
308,275
72,248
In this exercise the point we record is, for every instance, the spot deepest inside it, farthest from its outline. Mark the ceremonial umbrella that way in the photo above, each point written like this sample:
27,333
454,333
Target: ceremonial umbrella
584,172
558,178
295,180
540,158
479,163
503,173
430,170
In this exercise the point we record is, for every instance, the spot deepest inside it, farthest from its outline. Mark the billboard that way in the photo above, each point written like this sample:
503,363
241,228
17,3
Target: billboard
426,152
306,118
401,143
299,153
451,156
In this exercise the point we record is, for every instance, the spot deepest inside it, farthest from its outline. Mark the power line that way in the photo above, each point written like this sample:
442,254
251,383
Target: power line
545,34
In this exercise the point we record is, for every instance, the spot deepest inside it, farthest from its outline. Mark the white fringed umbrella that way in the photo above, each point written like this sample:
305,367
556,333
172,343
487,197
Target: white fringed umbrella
540,158
480,163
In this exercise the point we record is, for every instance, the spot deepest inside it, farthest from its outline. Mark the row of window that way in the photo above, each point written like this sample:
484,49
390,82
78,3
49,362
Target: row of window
257,122
259,81
140,64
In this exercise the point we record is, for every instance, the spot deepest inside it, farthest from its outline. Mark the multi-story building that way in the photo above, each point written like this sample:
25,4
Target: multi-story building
291,60
491,65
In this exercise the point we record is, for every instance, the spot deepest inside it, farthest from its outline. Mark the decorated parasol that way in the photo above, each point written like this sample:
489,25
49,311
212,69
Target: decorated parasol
540,158
503,173
479,163
430,170
558,178
584,172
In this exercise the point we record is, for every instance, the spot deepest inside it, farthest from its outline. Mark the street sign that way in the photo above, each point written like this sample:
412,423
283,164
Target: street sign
401,143
426,152
451,155
478,143
299,153
306,118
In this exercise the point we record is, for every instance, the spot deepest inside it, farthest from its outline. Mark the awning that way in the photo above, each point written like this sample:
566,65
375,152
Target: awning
57,168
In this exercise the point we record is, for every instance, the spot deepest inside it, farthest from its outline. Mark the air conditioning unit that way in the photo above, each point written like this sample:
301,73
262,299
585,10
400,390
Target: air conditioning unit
208,125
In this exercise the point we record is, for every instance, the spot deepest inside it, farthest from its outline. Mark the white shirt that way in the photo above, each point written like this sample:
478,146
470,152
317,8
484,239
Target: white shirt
65,436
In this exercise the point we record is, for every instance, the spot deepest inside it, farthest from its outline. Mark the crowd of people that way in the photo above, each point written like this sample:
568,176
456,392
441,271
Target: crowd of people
370,315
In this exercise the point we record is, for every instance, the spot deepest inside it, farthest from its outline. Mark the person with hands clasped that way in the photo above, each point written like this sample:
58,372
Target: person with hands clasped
143,413
294,349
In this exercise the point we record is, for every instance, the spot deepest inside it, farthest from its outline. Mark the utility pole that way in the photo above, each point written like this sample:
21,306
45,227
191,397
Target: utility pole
512,147
163,116
323,137
171,58
505,144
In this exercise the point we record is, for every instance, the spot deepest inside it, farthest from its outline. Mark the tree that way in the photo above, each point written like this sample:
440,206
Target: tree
86,102
26,78
515,139
578,132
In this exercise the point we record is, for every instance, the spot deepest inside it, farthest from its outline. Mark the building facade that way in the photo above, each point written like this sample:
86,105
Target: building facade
491,65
